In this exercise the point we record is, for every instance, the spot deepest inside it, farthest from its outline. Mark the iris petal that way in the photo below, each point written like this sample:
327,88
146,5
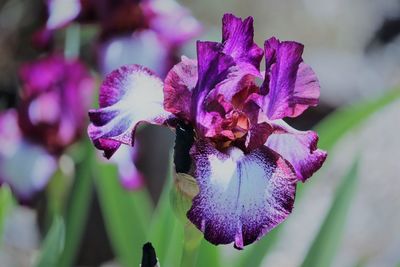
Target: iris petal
128,96
298,147
179,83
291,85
242,196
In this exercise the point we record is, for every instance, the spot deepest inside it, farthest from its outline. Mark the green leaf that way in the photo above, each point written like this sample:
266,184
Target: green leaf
209,255
77,209
336,125
166,231
325,244
52,245
6,203
126,215
257,252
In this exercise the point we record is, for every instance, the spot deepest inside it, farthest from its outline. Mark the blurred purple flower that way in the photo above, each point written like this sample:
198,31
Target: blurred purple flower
169,26
170,20
56,93
230,134
55,96
24,166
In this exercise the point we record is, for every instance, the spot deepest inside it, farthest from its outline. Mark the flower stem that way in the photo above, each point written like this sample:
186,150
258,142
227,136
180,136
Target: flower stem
191,243
72,41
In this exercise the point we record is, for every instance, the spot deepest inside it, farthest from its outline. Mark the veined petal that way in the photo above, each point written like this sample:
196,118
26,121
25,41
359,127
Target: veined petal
237,39
292,85
178,86
242,196
128,96
297,147
213,68
237,42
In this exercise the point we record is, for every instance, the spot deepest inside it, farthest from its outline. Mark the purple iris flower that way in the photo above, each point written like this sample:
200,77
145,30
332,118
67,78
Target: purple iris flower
230,135
26,167
55,96
166,17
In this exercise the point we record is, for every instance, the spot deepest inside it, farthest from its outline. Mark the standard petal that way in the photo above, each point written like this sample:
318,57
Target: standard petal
242,196
237,42
297,147
25,167
237,38
128,96
178,86
290,84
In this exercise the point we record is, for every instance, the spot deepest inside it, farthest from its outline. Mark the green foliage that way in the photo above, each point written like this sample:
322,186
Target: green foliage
325,244
340,122
126,215
52,245
166,230
6,203
208,255
77,208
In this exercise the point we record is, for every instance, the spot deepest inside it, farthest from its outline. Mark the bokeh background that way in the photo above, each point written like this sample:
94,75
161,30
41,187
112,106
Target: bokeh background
346,215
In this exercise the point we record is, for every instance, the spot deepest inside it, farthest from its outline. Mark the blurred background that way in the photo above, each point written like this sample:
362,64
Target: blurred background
346,215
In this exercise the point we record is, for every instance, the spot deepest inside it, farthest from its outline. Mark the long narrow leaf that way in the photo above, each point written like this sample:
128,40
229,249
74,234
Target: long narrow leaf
6,202
325,244
209,255
77,209
166,231
52,245
126,215
341,121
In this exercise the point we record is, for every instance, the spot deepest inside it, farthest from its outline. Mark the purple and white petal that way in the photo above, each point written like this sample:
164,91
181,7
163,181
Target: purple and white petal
242,196
297,147
290,84
128,96
178,86
24,166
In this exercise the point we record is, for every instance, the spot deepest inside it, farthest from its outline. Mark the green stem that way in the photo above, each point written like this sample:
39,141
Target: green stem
189,256
191,244
72,41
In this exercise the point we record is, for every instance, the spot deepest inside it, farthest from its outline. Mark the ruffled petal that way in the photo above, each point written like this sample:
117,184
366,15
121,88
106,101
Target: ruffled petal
24,166
291,85
237,39
297,147
237,42
178,86
128,96
242,196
